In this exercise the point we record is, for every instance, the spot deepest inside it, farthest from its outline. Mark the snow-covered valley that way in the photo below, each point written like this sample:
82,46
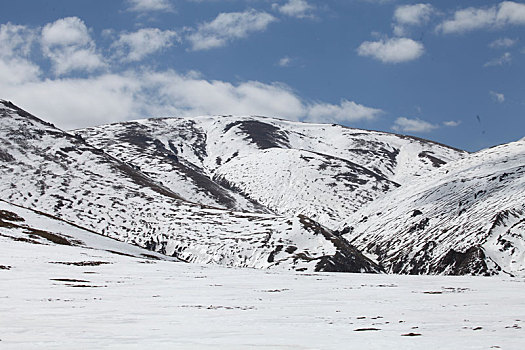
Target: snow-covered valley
63,297
226,232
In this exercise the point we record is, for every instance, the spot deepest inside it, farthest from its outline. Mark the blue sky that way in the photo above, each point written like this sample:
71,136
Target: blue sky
449,71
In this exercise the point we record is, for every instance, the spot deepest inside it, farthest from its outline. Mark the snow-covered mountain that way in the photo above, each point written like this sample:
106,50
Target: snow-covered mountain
466,217
270,193
46,169
25,226
325,172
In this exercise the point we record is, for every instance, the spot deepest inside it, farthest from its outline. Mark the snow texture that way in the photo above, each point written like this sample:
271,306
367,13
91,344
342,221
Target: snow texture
267,193
46,169
72,297
322,171
468,217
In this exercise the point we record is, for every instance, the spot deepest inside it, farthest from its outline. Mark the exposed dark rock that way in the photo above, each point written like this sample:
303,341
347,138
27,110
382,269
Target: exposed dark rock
290,249
419,226
271,257
470,262
346,259
6,157
418,264
436,162
81,263
264,135
416,212
222,182
10,216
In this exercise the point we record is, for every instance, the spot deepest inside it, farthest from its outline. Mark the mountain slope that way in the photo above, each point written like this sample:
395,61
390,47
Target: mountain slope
467,217
44,168
253,163
31,227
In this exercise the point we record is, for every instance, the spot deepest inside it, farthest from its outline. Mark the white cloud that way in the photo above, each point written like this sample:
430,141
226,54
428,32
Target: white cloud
469,19
411,15
64,32
285,61
452,123
16,42
137,45
192,95
295,8
497,16
511,13
102,97
149,5
227,27
498,97
346,111
394,50
502,43
76,102
506,58
80,102
403,124
67,43
18,70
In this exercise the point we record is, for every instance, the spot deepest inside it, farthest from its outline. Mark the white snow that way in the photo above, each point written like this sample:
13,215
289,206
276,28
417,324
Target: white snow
54,172
276,177
134,303
462,202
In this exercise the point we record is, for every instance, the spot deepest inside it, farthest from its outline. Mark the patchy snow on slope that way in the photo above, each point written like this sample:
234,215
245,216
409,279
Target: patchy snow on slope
23,225
466,217
293,182
43,168
242,191
256,163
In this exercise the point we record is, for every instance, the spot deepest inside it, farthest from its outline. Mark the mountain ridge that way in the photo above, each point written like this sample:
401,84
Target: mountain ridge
222,146
250,191
60,174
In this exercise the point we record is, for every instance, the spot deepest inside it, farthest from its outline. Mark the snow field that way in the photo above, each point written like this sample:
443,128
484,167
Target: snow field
132,303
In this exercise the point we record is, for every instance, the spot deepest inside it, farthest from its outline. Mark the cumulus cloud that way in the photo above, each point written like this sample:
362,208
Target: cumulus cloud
411,15
394,50
149,5
452,123
502,43
346,111
80,102
472,18
403,124
295,8
506,58
16,42
103,96
67,43
137,45
498,97
227,27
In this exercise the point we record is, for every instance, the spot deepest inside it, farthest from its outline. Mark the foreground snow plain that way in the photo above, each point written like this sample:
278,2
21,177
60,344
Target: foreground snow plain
111,301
